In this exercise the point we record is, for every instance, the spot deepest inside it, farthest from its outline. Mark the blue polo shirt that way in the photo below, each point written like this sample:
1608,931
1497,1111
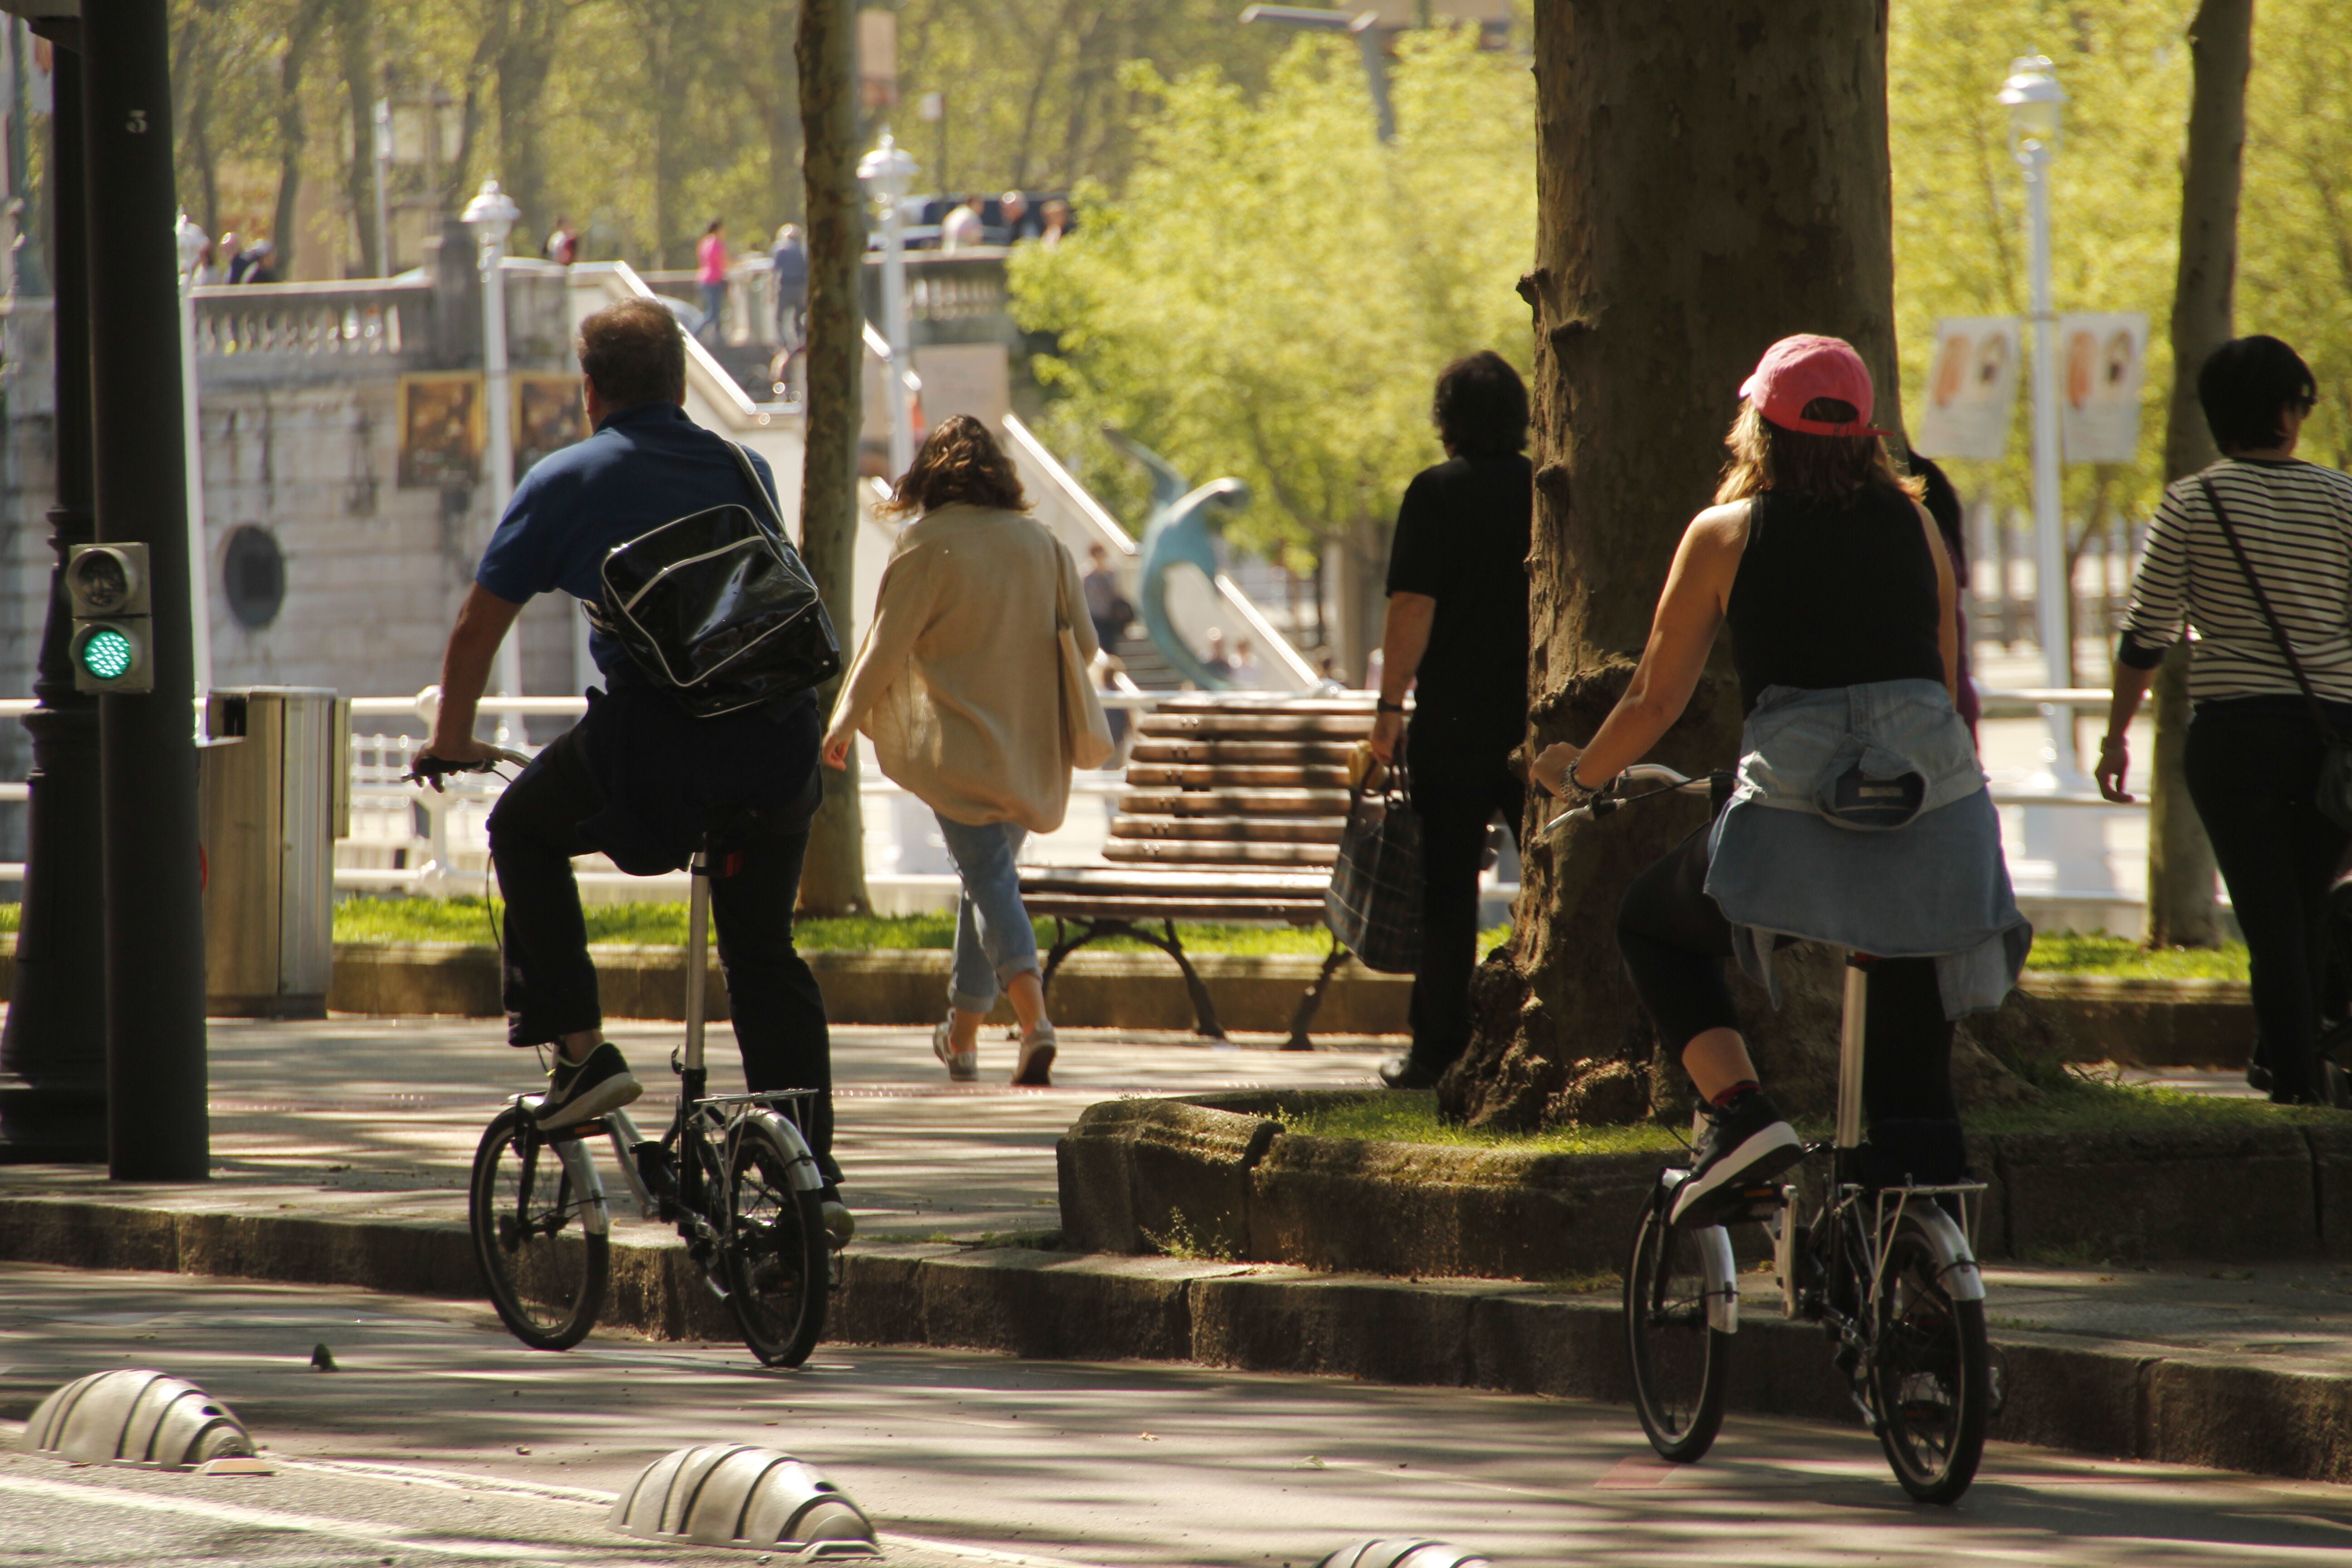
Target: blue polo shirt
646,465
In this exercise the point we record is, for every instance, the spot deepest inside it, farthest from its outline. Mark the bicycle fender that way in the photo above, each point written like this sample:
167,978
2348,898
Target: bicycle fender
580,1166
1722,1277
1957,1265
804,1175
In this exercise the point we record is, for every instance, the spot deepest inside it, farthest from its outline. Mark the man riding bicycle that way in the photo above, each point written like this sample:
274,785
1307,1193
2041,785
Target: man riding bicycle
640,779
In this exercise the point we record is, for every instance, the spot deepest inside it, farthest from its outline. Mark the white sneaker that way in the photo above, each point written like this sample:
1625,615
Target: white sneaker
963,1066
1035,1070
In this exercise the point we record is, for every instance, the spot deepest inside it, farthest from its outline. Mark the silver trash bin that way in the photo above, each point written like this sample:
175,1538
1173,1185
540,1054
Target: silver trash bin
275,794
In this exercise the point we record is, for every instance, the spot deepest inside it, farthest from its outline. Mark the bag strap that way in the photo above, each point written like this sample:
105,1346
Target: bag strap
752,477
2262,600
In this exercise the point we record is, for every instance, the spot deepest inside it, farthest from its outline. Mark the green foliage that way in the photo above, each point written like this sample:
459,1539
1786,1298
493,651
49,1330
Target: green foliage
1275,290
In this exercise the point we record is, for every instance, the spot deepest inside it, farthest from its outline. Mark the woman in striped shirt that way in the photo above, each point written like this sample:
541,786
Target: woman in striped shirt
2254,744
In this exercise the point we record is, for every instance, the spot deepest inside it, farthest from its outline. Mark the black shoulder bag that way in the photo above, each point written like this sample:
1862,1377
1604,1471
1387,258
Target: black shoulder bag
2334,791
1374,904
718,608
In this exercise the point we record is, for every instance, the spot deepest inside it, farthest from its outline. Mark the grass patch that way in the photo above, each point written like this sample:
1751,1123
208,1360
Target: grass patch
2079,1104
2073,953
469,919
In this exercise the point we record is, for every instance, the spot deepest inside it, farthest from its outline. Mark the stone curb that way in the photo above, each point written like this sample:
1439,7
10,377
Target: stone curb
2142,1022
2111,1399
1224,1173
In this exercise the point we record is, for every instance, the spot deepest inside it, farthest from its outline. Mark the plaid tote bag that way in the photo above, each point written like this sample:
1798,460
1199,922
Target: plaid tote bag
1374,904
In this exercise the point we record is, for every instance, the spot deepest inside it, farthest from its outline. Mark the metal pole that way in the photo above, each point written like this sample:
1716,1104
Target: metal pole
494,375
53,1048
192,439
383,211
894,326
156,1115
2052,588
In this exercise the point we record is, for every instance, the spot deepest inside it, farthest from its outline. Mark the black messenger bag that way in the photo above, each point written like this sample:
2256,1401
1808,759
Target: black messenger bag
717,607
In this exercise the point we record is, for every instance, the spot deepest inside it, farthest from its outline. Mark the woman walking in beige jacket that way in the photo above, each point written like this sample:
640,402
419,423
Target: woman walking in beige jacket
959,686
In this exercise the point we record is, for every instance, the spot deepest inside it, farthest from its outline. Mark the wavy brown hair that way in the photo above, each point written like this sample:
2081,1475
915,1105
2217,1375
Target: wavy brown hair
1765,457
961,462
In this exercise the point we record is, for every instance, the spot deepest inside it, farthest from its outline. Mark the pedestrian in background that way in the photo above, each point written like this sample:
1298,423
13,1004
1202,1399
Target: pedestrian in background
1019,222
962,229
1457,634
1245,671
1106,606
960,687
712,276
1056,224
788,264
1214,660
562,245
2270,677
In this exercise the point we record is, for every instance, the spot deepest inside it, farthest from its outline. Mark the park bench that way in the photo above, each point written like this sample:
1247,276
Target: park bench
1232,810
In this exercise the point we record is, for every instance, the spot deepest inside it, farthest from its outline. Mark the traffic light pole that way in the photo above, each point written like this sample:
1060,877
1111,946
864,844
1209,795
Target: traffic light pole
156,1116
53,1050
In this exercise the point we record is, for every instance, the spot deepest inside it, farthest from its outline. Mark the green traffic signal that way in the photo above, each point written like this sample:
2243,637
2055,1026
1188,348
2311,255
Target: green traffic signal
107,654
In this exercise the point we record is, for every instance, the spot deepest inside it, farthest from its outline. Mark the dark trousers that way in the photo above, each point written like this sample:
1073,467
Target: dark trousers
551,985
2252,767
1676,939
1455,805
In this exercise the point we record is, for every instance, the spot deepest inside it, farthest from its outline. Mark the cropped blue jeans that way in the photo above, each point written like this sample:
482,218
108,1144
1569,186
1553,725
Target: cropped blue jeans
993,941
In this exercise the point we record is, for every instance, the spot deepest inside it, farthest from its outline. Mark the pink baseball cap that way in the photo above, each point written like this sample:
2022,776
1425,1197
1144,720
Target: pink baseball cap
1795,370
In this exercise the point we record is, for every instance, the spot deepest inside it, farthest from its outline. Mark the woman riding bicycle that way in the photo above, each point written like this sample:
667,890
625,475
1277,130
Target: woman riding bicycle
1859,815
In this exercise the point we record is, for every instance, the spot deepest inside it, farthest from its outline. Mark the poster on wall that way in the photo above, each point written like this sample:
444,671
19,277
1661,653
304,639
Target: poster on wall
2101,363
548,416
1971,389
441,429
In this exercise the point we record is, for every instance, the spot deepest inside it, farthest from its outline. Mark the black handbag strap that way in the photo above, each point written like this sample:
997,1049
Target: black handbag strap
2270,617
766,501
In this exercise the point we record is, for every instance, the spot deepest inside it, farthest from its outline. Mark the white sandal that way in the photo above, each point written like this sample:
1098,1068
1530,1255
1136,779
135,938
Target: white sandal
963,1066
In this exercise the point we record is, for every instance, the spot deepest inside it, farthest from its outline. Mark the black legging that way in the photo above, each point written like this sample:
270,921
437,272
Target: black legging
2252,765
1674,940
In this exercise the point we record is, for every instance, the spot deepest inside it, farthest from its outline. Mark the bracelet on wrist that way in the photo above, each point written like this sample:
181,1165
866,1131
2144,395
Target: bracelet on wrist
1384,705
2111,743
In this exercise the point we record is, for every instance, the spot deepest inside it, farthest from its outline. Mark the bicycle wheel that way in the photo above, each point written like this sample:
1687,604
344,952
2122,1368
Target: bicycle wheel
543,1271
777,1271
1931,1371
1679,1360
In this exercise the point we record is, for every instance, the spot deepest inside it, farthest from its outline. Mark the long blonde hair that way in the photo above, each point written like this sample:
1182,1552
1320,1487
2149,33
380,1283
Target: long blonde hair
1765,457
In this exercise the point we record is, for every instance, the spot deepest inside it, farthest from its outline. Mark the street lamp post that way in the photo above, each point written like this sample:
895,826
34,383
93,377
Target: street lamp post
2036,103
492,215
192,242
888,173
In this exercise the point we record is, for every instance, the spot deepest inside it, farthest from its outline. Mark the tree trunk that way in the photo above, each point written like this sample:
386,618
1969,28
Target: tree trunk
832,882
355,32
1767,122
301,36
526,55
2181,904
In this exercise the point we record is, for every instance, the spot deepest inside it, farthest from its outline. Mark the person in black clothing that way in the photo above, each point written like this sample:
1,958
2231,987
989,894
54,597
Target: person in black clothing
1457,625
640,779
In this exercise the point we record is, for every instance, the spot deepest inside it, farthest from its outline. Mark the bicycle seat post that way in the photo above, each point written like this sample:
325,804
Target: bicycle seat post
1849,1043
697,941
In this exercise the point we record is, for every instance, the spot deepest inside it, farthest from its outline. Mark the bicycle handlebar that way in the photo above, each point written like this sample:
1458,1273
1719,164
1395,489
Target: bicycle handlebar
1667,781
433,769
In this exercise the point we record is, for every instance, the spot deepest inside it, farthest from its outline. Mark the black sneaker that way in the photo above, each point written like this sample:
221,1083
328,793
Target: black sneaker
1743,1144
582,1091
1403,1072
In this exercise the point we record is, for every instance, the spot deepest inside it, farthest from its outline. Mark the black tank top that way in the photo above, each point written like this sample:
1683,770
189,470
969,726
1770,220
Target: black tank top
1833,594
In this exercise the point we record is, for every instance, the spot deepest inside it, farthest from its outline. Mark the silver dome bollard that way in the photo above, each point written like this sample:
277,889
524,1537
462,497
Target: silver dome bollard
136,1417
729,1494
1403,1551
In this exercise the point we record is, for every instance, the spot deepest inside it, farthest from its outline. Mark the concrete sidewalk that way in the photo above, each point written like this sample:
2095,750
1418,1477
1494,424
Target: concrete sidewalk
341,1150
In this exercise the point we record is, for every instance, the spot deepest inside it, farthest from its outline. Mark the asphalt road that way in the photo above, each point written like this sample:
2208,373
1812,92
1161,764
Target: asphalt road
442,1441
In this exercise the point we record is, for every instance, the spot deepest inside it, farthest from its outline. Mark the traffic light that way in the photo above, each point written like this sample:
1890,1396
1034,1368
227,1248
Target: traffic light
113,639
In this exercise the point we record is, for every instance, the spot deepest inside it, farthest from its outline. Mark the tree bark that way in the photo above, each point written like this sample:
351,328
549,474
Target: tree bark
1710,178
526,55
2181,904
832,881
355,35
302,36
